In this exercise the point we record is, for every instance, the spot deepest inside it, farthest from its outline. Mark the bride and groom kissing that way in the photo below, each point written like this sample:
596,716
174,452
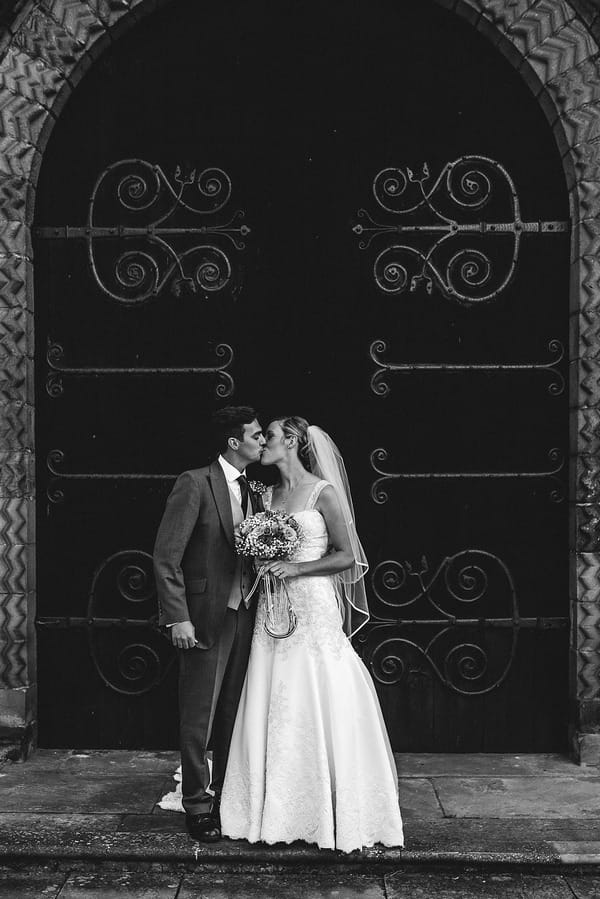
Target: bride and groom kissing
298,742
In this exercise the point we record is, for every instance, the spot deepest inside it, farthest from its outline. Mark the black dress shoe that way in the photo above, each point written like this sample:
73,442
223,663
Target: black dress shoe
204,828
197,824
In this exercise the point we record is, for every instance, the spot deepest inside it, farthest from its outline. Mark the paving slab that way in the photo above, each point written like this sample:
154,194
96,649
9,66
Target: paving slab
476,884
163,822
529,836
418,799
578,852
98,762
277,886
516,797
584,886
42,825
30,884
486,764
121,885
37,792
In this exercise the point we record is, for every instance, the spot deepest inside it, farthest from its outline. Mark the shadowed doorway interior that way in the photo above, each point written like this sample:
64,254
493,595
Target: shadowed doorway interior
246,204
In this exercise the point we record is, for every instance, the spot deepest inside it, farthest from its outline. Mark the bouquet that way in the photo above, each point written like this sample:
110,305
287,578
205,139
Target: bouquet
267,536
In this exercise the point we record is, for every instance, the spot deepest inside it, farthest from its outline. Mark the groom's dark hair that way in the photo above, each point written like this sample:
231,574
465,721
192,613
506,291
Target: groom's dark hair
229,422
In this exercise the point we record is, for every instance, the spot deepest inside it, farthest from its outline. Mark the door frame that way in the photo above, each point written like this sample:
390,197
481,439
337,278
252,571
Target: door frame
45,51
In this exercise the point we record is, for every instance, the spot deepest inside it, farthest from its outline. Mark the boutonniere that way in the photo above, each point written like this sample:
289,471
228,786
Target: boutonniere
257,487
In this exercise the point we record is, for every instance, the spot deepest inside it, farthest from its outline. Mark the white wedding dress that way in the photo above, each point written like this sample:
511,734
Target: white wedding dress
310,757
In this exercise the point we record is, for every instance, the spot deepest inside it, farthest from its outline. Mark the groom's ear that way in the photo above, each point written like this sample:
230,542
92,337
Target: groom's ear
233,443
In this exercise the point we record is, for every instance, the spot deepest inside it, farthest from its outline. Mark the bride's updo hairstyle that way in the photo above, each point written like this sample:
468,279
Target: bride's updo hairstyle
296,426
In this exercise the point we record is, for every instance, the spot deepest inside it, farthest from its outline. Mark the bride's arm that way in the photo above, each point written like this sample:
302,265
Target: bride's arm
339,558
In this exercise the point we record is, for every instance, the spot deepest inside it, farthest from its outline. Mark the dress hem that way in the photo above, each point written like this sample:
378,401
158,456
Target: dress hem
314,843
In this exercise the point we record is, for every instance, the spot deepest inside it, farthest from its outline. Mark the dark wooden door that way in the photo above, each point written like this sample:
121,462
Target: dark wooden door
310,208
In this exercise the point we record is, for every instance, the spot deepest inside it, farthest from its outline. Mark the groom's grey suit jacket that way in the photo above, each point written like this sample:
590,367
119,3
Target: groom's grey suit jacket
194,555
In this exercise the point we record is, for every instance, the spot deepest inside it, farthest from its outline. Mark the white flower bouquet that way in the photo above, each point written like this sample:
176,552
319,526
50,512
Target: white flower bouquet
267,536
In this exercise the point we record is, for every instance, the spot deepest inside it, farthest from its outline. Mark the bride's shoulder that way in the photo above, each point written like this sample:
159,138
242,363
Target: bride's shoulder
320,489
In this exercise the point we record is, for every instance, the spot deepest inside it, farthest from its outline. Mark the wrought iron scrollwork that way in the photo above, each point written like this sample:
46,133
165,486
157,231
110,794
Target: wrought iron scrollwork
450,623
381,387
380,496
224,384
134,202
55,491
449,244
127,665
129,654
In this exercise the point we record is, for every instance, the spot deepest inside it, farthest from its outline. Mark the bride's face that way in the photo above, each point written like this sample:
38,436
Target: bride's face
275,448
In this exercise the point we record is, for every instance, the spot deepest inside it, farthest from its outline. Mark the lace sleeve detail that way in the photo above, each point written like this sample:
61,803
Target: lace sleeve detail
267,498
316,492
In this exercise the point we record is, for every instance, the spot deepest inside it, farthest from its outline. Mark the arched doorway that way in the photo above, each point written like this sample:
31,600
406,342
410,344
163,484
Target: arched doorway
465,396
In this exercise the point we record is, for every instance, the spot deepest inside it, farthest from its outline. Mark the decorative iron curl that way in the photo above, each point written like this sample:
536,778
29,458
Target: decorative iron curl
400,266
379,495
472,188
215,184
55,355
139,664
390,577
380,385
135,583
137,667
55,494
474,269
464,576
137,271
464,185
54,384
469,661
134,191
161,255
462,669
386,663
467,583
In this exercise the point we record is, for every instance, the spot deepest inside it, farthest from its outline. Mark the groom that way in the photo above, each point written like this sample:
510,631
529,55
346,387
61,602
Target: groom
201,585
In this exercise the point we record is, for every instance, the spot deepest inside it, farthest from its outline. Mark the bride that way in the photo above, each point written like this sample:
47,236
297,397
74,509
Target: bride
310,758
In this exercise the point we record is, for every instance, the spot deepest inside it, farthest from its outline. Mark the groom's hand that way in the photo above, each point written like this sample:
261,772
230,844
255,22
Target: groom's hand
183,635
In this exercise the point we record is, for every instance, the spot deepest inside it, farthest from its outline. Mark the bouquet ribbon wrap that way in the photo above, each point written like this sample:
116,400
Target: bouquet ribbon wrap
271,535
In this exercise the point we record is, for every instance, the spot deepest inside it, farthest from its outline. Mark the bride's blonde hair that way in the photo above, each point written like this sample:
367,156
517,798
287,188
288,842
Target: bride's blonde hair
296,426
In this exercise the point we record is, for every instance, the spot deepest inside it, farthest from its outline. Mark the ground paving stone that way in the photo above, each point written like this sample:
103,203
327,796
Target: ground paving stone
584,886
490,764
99,762
30,884
276,886
37,792
158,822
578,852
529,797
67,824
418,799
121,885
476,884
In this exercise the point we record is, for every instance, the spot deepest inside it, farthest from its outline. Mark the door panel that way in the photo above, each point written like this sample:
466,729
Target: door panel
278,119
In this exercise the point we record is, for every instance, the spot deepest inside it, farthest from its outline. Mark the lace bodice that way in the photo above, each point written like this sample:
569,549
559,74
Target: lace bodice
315,539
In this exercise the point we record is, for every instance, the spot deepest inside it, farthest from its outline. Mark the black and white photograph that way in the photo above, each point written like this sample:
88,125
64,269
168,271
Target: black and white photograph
300,449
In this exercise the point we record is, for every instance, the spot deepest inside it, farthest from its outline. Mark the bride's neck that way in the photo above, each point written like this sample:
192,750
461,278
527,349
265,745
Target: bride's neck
291,473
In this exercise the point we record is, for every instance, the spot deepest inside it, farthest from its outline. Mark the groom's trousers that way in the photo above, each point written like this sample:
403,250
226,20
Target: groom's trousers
210,684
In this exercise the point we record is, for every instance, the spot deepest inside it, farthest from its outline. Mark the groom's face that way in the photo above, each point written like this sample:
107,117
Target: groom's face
251,445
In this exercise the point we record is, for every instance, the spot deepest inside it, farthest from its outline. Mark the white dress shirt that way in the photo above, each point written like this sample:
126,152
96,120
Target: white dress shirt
231,476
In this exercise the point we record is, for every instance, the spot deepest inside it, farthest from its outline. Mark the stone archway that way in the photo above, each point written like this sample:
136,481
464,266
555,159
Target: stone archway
49,47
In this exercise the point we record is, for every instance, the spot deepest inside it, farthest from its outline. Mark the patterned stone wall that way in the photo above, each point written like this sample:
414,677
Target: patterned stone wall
49,45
